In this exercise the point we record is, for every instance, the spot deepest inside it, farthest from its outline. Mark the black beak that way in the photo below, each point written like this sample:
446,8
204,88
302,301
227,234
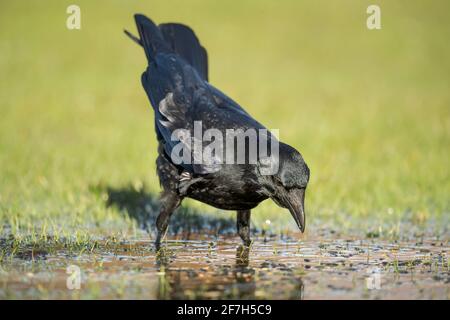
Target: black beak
294,200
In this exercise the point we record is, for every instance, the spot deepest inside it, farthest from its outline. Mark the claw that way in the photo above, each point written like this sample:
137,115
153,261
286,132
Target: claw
185,176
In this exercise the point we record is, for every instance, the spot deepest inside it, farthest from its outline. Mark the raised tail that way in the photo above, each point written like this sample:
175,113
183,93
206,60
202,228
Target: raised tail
171,37
184,42
151,37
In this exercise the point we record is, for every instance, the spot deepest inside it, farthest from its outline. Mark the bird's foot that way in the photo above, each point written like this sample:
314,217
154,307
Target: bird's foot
247,242
185,182
185,176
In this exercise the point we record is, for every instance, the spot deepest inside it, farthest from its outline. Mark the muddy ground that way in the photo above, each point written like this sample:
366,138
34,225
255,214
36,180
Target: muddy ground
218,268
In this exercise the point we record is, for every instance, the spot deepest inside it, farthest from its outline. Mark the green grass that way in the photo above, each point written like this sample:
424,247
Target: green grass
369,110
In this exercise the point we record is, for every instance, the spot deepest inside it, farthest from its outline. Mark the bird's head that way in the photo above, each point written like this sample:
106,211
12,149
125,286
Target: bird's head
287,186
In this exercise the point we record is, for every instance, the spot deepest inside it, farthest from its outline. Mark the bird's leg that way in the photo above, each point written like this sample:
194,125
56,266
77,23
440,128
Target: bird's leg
169,202
243,226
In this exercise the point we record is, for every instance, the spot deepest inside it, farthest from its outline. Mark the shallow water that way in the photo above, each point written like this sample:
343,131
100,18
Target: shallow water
220,268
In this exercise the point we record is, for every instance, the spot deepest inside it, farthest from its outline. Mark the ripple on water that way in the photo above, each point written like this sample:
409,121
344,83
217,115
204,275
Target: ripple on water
219,268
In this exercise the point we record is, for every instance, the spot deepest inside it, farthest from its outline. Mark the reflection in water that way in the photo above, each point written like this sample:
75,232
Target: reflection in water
164,275
245,284
222,281
207,269
298,293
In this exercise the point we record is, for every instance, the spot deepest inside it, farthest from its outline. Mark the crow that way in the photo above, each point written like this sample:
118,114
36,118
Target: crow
176,83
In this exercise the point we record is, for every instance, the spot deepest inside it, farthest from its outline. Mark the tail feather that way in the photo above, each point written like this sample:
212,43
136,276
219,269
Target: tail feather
171,37
184,42
133,37
151,37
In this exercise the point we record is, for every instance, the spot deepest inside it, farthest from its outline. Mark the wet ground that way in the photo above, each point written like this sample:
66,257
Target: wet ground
219,268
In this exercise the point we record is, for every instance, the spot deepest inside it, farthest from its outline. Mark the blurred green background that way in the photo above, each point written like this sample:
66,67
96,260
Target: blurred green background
369,110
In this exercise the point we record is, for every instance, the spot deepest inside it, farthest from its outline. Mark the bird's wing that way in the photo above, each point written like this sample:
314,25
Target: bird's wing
223,101
183,103
175,90
176,84
185,43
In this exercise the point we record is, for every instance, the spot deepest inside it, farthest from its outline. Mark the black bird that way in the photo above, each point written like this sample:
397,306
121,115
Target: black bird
176,82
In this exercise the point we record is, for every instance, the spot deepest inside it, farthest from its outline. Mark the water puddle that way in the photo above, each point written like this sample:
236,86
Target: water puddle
220,269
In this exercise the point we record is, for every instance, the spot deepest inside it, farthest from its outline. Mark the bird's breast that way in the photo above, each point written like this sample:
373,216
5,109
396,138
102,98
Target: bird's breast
227,194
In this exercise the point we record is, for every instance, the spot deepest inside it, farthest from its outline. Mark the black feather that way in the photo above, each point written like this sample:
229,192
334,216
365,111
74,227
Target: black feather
176,83
185,43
